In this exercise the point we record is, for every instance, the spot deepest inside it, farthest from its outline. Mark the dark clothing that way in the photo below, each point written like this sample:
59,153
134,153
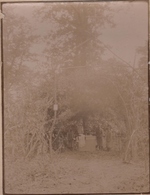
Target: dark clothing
98,138
72,137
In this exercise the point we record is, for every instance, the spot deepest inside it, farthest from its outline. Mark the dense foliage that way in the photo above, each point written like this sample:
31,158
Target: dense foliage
69,70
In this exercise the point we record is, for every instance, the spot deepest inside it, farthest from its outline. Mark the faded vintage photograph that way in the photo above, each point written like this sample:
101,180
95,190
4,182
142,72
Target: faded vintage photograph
75,97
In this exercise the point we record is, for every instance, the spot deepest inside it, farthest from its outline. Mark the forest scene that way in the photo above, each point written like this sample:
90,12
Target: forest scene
75,97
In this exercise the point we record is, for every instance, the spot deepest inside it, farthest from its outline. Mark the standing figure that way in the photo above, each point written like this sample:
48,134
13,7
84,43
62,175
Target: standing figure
72,137
75,137
98,137
108,138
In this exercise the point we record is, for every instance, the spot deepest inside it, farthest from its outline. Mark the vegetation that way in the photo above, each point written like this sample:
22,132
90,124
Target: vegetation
60,86
72,74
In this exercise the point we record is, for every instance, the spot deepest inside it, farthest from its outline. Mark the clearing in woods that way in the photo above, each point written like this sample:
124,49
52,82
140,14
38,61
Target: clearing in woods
75,172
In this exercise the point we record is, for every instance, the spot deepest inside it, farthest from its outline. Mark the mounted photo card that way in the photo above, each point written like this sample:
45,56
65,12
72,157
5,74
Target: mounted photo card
75,115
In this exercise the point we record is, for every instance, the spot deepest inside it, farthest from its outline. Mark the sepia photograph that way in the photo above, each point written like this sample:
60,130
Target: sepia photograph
75,97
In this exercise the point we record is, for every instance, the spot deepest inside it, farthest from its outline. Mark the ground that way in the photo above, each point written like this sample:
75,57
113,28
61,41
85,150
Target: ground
75,172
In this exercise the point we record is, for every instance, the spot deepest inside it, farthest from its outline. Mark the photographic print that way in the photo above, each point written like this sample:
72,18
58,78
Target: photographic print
75,97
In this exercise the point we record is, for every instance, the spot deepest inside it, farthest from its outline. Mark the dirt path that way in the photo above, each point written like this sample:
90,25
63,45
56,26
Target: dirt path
75,173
